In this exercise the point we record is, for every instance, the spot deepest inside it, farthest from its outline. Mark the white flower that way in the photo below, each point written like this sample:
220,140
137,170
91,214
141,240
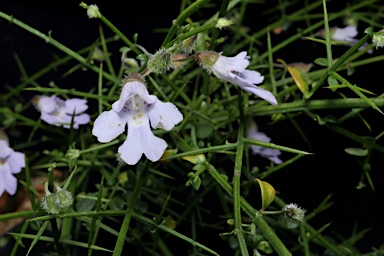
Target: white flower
58,112
11,162
269,153
378,39
344,34
93,11
294,213
233,69
137,109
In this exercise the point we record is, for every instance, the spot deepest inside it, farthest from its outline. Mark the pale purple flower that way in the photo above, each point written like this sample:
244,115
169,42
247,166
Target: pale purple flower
11,163
233,70
269,153
346,34
58,112
138,109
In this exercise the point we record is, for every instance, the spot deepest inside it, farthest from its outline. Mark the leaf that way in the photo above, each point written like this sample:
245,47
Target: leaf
357,151
332,83
297,76
267,193
321,62
37,237
196,159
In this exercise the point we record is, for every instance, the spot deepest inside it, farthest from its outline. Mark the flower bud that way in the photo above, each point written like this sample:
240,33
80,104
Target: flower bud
98,54
294,213
207,59
63,198
187,45
48,202
378,39
223,23
93,11
73,154
160,62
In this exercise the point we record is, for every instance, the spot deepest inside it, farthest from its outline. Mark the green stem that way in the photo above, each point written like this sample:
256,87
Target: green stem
222,13
121,35
313,105
337,64
50,40
182,17
236,179
129,212
267,231
327,36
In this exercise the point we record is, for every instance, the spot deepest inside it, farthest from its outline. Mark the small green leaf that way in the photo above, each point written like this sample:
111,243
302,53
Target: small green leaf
265,247
357,151
332,82
369,31
267,193
204,130
196,183
322,62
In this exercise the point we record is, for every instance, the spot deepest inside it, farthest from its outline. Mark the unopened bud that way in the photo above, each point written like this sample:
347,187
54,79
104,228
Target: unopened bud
294,213
223,23
63,198
160,62
93,11
188,45
73,154
378,39
48,202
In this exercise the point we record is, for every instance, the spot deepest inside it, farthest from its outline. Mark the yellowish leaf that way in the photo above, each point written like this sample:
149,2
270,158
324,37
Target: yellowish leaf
297,76
267,193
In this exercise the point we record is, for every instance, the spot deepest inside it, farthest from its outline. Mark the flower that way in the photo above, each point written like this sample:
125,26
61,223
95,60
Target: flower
269,153
233,69
344,34
59,112
378,39
294,213
11,162
137,108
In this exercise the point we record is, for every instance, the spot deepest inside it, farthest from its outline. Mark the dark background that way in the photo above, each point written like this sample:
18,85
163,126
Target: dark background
307,182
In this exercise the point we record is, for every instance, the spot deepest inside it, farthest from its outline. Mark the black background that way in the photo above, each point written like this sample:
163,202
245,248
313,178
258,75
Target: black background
307,182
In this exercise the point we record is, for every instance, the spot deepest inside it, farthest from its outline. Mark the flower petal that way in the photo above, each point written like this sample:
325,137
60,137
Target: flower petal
129,90
164,115
46,104
345,34
108,125
5,150
141,140
7,180
252,76
78,120
225,65
16,161
78,105
246,86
